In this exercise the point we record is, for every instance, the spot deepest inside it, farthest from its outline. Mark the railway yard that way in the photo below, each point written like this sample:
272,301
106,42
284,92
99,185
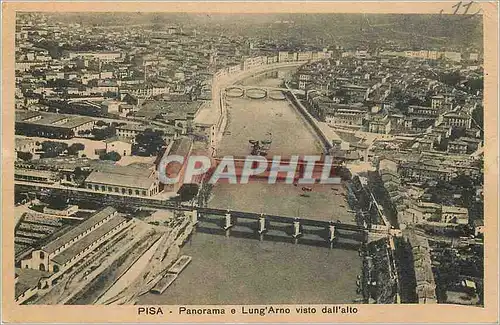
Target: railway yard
118,268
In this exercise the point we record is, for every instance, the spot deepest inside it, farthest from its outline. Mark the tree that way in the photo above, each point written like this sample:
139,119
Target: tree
26,156
84,132
478,117
187,192
474,85
109,94
55,51
116,124
113,155
58,83
79,176
451,79
463,181
415,101
149,143
205,192
101,123
53,149
74,148
101,134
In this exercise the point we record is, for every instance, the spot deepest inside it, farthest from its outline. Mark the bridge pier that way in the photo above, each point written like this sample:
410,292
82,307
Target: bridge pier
331,234
194,220
228,224
296,230
262,227
194,217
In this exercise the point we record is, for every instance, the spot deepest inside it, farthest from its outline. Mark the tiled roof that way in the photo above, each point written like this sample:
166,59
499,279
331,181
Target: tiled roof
79,229
88,240
110,179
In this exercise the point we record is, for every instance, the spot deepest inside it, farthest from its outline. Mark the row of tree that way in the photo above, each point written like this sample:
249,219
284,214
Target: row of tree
52,149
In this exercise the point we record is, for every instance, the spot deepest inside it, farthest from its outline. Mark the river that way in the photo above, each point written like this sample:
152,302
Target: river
230,270
262,119
291,135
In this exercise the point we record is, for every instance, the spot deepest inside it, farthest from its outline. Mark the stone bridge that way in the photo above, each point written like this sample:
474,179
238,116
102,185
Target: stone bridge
259,92
264,226
223,221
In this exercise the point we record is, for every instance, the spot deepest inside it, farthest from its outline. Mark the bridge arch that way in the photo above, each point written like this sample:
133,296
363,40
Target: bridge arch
256,93
235,91
276,94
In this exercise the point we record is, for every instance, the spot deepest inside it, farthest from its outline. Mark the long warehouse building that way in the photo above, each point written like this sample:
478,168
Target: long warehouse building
65,251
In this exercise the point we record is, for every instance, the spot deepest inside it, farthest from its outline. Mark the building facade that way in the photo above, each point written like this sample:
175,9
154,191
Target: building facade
60,254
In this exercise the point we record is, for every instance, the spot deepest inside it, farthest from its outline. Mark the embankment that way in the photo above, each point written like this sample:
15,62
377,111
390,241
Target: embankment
166,254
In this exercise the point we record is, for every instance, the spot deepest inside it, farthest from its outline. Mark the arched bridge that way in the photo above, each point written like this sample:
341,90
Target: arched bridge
259,92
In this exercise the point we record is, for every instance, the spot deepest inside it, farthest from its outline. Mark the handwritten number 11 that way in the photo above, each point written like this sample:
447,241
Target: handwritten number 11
457,7
459,4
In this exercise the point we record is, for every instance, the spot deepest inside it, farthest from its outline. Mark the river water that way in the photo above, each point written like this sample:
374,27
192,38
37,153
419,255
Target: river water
263,119
291,135
230,270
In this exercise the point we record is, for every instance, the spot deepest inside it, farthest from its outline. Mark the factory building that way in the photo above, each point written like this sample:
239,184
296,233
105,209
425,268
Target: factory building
63,252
